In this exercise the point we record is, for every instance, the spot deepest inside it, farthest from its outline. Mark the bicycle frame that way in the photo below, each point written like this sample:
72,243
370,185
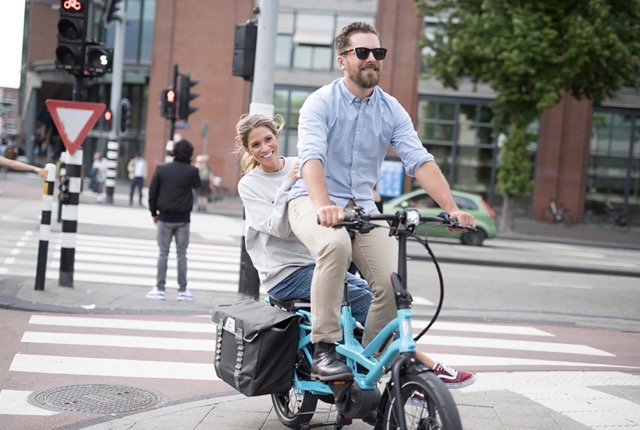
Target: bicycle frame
398,356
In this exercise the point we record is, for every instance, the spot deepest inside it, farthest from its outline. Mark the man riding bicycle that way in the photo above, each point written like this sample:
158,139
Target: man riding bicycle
344,132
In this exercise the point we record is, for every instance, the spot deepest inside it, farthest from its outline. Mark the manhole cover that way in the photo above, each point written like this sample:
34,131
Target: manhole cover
95,399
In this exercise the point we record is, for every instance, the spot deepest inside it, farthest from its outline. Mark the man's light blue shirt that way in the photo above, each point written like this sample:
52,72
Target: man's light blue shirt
351,138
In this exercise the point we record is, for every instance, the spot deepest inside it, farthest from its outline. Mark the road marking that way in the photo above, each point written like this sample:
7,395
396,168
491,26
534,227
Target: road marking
569,394
513,345
558,285
122,323
14,402
459,360
168,343
111,367
486,328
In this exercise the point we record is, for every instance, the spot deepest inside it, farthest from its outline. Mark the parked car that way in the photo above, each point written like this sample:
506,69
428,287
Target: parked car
468,202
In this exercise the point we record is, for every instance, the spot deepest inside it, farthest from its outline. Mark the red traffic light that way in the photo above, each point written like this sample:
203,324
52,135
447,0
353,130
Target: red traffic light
72,5
108,115
171,96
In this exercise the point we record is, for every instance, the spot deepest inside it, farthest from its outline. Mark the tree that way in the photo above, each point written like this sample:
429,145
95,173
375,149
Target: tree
530,53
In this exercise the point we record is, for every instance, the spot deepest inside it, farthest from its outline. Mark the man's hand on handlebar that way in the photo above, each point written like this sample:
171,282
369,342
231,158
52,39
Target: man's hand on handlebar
464,219
330,215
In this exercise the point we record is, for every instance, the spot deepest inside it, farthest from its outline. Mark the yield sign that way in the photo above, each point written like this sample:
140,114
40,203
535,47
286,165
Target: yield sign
74,120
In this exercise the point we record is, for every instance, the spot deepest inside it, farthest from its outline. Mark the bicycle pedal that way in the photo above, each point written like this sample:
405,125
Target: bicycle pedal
339,383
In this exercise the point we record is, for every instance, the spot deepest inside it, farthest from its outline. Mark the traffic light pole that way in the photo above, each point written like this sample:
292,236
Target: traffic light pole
261,103
172,121
116,95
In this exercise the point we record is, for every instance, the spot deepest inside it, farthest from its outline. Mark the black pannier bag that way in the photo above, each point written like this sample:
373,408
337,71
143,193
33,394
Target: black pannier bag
255,347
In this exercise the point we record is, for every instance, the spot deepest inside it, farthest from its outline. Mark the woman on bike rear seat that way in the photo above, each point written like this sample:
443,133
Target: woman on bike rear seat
284,264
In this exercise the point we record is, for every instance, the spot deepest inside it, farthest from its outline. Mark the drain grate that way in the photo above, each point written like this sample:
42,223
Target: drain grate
95,399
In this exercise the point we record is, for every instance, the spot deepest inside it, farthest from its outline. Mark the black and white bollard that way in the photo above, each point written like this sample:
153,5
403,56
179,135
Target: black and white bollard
112,164
70,219
45,225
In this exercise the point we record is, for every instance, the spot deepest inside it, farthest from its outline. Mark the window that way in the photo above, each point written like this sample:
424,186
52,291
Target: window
614,160
287,103
305,40
459,134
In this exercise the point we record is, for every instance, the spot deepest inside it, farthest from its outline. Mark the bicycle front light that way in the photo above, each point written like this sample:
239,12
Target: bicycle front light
412,217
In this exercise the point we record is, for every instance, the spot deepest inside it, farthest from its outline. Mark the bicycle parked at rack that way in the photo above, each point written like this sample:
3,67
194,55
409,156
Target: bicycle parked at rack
413,397
557,214
614,218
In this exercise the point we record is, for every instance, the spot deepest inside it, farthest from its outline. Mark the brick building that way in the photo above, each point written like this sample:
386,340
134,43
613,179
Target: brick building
583,156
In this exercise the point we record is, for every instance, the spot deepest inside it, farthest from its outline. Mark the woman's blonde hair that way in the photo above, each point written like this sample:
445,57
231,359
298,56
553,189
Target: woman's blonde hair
245,126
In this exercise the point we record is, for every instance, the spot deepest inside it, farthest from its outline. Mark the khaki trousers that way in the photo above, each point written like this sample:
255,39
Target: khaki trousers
375,254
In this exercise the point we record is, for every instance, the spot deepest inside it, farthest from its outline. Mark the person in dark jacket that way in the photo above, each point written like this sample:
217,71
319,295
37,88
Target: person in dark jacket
170,203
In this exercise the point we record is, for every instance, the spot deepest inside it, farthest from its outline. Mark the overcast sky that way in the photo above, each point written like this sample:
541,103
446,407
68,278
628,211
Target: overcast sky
11,26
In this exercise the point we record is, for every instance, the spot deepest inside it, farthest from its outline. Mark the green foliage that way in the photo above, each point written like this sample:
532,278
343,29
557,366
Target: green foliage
530,52
514,176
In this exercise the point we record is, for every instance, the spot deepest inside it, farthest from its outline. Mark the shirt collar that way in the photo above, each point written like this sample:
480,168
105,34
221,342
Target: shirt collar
348,95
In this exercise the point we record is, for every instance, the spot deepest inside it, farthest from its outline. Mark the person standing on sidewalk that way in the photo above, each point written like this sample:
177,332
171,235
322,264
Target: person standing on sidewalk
137,169
170,203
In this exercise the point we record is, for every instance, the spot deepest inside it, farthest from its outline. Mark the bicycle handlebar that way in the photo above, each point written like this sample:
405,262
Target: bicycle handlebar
411,218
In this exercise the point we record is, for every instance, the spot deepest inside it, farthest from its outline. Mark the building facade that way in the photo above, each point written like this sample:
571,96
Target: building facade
584,156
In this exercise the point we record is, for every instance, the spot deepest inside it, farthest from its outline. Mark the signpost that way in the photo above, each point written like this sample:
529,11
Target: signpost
73,120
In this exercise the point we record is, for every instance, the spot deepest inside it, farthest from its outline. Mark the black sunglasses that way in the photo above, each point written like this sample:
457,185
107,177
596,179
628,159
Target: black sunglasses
363,53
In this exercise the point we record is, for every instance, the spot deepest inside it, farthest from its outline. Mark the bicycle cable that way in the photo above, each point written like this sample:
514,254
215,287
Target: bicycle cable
425,243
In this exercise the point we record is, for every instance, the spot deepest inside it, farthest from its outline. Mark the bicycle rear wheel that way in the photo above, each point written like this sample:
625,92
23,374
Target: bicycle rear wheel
296,408
428,405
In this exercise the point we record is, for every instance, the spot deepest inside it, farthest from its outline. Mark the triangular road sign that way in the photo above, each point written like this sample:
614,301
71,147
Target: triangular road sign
74,120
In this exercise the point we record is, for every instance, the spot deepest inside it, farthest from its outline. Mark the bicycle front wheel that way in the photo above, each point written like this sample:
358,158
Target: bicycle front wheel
428,405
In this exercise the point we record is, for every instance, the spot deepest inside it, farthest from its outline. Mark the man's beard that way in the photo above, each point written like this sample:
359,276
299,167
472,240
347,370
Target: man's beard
368,80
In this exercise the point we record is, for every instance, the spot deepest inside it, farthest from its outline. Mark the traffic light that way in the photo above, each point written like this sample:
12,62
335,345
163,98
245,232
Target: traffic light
72,34
168,103
107,116
124,116
98,60
110,11
185,96
244,51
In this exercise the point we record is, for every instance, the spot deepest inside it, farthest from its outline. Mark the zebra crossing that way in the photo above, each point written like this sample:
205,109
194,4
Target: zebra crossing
165,349
123,261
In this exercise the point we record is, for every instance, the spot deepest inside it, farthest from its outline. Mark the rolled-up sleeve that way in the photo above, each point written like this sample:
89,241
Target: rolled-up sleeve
312,130
407,144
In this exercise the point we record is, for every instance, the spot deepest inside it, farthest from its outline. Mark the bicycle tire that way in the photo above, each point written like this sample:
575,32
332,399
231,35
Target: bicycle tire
428,405
296,408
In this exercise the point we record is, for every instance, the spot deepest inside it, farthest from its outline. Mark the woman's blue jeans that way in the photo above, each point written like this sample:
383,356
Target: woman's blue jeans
298,286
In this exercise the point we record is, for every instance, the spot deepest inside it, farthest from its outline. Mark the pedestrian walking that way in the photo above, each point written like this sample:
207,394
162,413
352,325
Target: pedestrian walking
137,169
206,178
99,170
170,203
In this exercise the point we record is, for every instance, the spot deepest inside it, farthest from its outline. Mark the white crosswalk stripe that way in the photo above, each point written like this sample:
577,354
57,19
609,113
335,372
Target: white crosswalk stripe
72,341
125,261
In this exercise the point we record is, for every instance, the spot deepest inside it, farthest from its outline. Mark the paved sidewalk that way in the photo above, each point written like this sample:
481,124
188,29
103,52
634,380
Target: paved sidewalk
486,405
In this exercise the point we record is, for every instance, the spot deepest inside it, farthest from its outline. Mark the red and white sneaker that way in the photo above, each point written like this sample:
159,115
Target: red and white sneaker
453,378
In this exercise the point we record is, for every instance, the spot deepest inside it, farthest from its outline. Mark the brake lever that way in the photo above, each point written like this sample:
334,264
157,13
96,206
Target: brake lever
452,224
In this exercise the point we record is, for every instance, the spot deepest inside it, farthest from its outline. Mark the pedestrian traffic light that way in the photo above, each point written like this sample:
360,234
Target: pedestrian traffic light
244,52
72,34
98,60
185,96
124,116
168,103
